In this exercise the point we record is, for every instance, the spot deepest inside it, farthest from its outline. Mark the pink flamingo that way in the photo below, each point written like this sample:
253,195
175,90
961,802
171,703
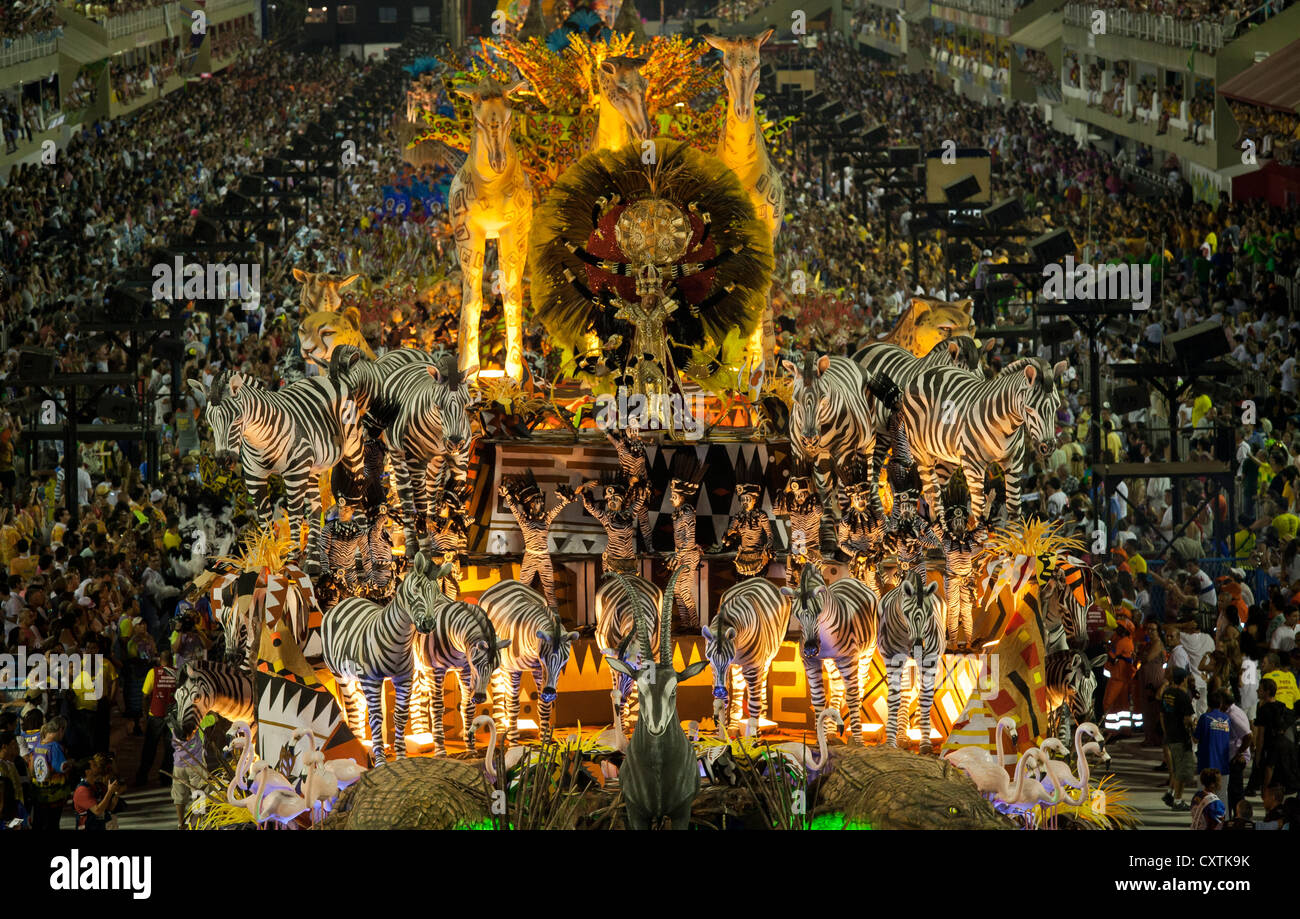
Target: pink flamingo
985,769
1059,772
274,796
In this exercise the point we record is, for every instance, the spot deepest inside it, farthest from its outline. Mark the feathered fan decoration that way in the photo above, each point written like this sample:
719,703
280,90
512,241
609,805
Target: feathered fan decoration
709,252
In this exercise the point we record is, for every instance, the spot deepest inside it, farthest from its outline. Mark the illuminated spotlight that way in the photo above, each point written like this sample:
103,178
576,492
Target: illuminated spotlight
990,644
870,727
915,734
422,739
367,743
492,373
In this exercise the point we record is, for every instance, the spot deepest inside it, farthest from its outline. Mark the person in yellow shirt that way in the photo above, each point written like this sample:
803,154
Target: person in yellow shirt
1200,408
1285,526
1136,563
1287,690
22,564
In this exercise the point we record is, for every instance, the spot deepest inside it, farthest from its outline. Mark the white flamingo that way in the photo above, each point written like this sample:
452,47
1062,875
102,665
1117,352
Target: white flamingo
802,755
513,755
273,797
1022,790
1060,773
324,779
985,769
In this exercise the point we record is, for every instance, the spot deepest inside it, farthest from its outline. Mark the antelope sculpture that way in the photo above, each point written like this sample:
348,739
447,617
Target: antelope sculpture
659,776
620,101
491,198
742,148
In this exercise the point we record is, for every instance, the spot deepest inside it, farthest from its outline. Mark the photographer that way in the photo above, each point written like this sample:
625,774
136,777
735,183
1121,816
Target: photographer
97,796
188,642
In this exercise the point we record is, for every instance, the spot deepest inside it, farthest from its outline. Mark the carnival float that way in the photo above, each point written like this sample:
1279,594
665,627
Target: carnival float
683,572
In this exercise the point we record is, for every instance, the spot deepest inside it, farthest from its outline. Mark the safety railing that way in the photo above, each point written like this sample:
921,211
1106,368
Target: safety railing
1002,9
215,6
1161,29
28,47
139,20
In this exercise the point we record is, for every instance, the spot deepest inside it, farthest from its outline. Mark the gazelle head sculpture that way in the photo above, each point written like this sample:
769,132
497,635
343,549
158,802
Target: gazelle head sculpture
321,291
740,70
493,115
619,81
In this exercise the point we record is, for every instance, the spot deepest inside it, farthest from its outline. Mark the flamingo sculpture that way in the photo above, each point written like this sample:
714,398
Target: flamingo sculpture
324,779
1059,772
983,768
274,797
513,755
1022,790
803,755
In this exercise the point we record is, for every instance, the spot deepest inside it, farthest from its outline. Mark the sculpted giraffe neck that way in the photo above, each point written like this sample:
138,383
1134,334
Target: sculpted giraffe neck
611,128
481,174
742,146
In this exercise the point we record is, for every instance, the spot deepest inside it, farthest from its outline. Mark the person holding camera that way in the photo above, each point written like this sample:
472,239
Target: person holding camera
97,796
160,690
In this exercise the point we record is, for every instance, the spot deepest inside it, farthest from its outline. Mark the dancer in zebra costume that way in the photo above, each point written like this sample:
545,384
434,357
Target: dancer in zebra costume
749,534
1071,676
297,432
803,511
423,409
343,539
369,643
1071,681
839,622
685,488
746,631
911,626
378,548
955,418
623,504
617,600
450,532
861,534
538,644
462,639
523,497
907,534
960,546
632,461
207,686
885,371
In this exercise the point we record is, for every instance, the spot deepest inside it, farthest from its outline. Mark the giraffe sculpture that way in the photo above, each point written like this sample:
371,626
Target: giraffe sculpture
742,149
619,96
491,198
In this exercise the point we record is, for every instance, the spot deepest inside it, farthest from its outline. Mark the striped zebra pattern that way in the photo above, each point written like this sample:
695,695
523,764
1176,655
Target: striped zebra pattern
686,558
368,643
829,416
954,418
885,364
539,644
343,541
617,600
839,622
1071,690
911,626
632,462
207,686
422,408
1065,607
296,432
746,632
460,638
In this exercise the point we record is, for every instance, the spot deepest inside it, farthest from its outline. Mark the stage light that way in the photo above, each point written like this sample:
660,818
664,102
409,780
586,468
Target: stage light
851,124
1004,214
904,156
960,190
491,373
915,734
831,109
876,136
1051,247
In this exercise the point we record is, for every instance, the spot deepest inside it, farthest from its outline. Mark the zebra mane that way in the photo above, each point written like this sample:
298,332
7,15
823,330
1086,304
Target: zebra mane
220,384
805,578
488,631
1044,383
448,366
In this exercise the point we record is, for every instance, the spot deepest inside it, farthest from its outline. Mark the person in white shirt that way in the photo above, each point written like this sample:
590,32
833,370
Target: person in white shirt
1206,595
1198,646
1057,500
1283,637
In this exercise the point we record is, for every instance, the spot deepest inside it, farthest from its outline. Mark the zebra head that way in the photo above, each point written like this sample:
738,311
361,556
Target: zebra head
451,402
484,651
421,593
720,651
805,429
656,683
190,701
225,413
1041,402
554,647
1081,686
808,602
920,606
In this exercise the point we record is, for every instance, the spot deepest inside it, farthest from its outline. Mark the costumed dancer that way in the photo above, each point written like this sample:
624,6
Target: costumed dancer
633,461
341,539
960,546
907,533
801,506
861,533
684,489
524,498
378,549
750,534
619,518
450,532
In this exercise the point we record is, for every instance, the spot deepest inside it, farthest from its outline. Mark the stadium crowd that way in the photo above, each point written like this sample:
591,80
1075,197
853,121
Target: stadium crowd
1200,615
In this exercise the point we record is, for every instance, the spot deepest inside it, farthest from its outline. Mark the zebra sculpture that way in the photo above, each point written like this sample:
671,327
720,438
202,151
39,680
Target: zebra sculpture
1070,674
660,774
539,644
208,686
297,432
746,632
368,643
839,622
955,418
617,600
423,409
461,638
911,626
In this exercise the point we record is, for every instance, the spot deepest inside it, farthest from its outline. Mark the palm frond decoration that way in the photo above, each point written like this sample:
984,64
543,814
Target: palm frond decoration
265,548
1032,538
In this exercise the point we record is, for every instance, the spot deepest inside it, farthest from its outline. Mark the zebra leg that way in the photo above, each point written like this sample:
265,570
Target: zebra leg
259,495
616,695
975,485
439,735
406,494
547,574
953,590
543,708
848,668
894,694
419,473
753,693
1011,484
374,690
401,706
930,488
419,705
512,708
812,668
928,671
467,708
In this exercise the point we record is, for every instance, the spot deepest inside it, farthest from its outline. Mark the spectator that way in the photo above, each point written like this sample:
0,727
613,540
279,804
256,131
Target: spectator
1176,718
1207,810
159,692
1275,742
1214,736
97,795
51,772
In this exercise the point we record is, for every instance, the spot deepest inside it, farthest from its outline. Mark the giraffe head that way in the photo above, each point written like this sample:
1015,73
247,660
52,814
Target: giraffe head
619,82
740,70
493,115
